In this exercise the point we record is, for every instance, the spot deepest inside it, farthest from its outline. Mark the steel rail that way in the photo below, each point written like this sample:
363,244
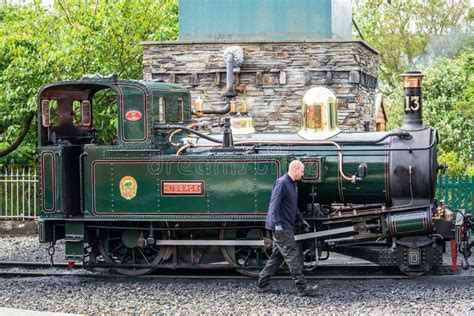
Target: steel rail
7,274
323,272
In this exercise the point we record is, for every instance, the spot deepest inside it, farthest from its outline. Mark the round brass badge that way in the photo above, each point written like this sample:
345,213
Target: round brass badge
128,187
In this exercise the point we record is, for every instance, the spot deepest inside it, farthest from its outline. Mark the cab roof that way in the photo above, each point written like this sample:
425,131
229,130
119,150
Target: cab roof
96,83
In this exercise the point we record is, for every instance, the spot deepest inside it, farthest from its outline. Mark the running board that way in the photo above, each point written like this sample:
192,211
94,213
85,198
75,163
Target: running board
202,242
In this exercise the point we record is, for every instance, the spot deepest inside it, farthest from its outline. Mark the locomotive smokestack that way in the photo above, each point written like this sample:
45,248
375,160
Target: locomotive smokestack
412,104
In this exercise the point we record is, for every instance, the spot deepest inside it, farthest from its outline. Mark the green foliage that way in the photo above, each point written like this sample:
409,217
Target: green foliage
455,165
448,106
76,38
402,31
434,36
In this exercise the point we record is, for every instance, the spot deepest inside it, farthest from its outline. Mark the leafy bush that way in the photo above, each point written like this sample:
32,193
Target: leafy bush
38,46
448,106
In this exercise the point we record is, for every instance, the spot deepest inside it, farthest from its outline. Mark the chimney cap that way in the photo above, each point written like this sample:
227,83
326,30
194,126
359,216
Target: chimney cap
414,73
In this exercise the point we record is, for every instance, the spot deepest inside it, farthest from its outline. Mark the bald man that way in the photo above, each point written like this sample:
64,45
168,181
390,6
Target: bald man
281,218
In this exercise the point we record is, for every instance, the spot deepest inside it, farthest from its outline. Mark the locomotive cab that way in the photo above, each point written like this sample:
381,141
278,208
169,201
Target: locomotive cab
66,124
66,115
71,127
71,113
89,182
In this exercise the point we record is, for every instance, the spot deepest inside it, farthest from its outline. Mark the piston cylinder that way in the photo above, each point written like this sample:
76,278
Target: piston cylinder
410,223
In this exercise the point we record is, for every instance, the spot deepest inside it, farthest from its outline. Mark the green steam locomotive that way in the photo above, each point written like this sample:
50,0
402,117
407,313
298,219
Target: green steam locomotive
166,192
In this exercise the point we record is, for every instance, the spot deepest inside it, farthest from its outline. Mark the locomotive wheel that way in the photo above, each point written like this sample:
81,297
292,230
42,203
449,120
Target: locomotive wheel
245,256
128,247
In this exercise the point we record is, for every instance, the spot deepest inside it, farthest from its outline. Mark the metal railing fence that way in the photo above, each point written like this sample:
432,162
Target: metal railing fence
456,191
19,193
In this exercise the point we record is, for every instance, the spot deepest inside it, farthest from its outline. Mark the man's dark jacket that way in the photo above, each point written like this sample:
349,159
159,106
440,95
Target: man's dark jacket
283,209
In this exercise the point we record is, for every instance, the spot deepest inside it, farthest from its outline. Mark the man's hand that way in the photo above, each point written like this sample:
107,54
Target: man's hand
306,226
278,227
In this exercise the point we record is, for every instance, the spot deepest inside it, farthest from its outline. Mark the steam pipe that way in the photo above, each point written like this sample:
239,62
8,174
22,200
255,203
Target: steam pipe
224,110
431,145
243,142
401,134
182,148
284,142
170,137
229,61
184,128
305,142
233,57
338,149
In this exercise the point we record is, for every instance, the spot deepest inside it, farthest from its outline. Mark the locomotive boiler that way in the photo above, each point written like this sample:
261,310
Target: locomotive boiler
169,193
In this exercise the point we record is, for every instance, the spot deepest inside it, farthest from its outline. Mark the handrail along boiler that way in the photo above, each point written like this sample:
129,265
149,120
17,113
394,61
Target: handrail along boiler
169,193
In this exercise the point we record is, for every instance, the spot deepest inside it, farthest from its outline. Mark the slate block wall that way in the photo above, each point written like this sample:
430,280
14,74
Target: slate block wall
273,77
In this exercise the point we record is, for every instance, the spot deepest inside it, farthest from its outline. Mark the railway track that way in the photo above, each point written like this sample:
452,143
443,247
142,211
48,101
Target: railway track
323,272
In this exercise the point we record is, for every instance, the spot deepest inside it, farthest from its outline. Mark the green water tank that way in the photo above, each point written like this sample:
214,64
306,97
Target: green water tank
265,20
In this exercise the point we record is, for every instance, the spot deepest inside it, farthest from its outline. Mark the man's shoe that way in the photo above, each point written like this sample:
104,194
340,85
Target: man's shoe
308,291
268,289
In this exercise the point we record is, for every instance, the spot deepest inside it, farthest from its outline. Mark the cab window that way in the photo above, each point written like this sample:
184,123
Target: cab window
162,110
180,110
105,115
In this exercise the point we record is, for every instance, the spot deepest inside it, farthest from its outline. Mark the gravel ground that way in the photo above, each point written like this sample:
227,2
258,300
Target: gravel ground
426,296
28,248
451,295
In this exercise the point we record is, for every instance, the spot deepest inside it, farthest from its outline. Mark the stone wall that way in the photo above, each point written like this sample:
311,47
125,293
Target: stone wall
273,77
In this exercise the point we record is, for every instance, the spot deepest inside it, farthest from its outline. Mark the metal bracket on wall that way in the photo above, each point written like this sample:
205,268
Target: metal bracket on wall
258,78
328,77
217,79
282,77
307,77
172,78
194,79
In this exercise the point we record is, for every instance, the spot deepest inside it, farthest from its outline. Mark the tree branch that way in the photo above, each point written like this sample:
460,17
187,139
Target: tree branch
65,13
21,137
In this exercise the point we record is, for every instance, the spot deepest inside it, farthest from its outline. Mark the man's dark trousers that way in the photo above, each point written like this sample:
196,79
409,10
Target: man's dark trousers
284,249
